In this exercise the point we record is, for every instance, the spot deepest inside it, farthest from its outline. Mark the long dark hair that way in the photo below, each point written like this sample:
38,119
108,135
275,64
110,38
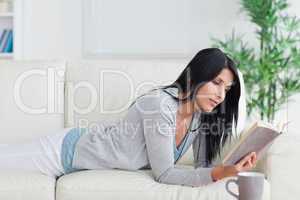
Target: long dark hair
204,67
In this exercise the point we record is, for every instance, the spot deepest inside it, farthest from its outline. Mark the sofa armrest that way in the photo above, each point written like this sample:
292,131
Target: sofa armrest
282,167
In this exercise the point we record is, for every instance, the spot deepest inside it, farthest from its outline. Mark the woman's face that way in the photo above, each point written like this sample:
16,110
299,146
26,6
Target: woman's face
213,92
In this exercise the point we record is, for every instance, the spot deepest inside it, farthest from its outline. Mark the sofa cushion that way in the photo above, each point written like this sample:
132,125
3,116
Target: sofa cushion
102,90
120,184
32,99
19,185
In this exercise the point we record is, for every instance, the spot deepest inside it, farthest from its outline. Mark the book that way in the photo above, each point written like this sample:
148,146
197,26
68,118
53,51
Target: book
4,42
2,39
9,43
258,138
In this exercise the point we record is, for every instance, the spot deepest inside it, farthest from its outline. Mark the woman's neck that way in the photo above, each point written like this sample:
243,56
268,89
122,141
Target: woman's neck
187,108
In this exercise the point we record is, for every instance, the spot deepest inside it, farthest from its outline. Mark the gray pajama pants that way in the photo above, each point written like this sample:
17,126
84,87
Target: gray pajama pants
42,155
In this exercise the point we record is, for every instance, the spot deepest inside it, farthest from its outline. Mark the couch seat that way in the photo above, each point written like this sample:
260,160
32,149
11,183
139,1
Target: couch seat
17,185
135,185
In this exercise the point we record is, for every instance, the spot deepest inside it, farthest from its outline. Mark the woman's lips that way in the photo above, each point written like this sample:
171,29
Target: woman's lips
214,103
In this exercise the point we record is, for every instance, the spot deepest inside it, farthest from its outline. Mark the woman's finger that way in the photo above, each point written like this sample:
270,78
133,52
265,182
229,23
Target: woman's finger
246,158
255,162
246,163
243,162
253,158
250,160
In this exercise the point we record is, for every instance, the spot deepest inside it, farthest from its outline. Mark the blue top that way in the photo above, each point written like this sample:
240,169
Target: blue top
182,147
68,147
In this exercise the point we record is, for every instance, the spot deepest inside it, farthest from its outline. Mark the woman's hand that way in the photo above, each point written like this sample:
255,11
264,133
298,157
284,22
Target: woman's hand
247,163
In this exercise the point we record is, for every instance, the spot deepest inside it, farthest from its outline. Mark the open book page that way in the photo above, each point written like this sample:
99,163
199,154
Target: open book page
257,138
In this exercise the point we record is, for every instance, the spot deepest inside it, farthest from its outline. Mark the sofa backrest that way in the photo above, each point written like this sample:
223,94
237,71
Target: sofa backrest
102,90
31,103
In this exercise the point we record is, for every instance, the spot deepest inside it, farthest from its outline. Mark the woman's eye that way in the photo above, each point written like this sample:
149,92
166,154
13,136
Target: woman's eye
216,82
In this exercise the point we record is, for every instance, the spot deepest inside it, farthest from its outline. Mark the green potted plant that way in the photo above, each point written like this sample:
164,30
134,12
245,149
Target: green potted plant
271,70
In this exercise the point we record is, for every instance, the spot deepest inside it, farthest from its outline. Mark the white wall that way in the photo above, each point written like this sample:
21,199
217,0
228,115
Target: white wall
72,20
53,28
42,29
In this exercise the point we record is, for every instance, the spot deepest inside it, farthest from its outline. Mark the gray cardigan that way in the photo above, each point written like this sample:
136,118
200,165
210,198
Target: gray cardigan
144,139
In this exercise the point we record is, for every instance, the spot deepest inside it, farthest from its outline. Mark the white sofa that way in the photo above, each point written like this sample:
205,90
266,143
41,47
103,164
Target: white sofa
41,97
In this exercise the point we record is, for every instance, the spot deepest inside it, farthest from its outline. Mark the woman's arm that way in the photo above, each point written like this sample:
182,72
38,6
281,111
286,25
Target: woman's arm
159,130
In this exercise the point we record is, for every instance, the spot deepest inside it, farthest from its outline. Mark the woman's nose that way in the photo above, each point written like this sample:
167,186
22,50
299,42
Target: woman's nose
221,94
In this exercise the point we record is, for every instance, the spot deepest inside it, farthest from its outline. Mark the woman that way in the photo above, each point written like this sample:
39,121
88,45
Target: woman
198,109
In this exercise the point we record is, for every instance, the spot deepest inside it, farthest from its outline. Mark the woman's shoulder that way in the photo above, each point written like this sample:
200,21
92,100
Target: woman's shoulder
157,100
160,95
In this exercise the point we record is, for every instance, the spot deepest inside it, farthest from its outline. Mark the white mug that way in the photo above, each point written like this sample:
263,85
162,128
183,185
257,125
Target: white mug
250,186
